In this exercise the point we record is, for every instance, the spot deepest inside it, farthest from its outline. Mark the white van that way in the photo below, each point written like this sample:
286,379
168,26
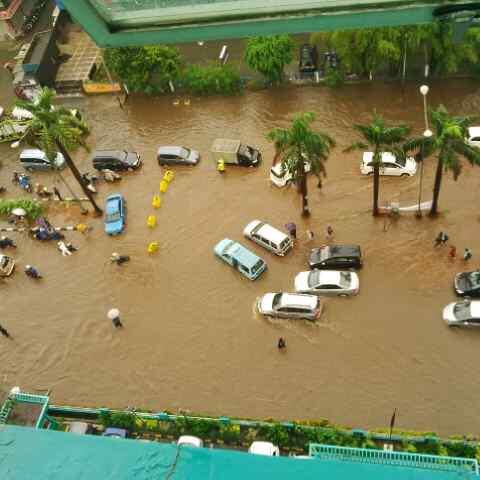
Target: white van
34,159
268,237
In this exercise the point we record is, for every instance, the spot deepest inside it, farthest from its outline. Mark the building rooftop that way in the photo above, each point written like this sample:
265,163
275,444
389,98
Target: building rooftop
27,453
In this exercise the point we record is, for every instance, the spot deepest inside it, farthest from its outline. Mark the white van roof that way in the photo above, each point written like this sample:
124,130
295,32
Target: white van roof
271,233
224,145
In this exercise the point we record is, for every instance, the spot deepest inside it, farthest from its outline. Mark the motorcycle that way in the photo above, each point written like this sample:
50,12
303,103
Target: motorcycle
111,176
90,181
23,181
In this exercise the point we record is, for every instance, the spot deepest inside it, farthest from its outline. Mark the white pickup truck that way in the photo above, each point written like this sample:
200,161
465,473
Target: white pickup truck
233,152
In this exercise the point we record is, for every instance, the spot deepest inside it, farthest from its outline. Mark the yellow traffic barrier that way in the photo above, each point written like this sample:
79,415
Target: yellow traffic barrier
163,186
221,166
168,176
156,201
153,247
151,221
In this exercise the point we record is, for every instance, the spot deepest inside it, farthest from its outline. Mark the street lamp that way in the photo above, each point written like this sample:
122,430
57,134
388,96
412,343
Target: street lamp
424,89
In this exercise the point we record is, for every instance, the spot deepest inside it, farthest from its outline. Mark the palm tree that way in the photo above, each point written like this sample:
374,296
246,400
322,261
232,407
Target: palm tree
299,144
380,138
56,129
449,142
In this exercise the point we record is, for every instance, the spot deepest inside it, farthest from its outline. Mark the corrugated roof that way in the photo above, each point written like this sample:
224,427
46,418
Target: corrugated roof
26,453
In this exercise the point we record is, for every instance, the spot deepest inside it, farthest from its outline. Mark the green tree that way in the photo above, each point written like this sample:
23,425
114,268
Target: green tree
379,137
55,129
212,79
449,143
300,143
269,55
145,69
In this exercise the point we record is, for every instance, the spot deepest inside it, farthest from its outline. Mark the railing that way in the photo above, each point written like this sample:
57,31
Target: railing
384,457
21,397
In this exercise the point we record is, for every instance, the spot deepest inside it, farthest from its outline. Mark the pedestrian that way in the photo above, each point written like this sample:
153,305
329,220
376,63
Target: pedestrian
32,272
281,343
4,332
441,239
70,247
114,315
467,254
63,248
452,253
292,230
57,194
310,235
7,242
329,233
119,259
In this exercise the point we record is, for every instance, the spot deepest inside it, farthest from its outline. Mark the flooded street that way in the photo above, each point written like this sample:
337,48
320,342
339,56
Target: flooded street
192,338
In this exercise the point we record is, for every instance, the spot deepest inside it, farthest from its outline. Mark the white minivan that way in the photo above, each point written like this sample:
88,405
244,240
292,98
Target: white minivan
390,165
268,237
34,159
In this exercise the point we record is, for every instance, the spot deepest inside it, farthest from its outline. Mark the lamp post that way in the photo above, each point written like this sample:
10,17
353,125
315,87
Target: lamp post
424,89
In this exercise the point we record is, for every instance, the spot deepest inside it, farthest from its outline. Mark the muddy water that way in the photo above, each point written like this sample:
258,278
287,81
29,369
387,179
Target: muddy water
192,339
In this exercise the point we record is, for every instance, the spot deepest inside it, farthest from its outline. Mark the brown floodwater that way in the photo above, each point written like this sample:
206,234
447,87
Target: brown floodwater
192,338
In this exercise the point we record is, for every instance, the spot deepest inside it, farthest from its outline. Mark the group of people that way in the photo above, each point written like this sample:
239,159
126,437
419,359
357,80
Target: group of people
292,231
442,238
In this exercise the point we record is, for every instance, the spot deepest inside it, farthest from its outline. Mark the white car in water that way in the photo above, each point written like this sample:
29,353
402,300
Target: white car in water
473,138
290,305
462,314
264,448
327,282
280,177
390,165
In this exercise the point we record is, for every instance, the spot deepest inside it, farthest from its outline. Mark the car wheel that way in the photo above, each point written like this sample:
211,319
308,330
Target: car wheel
343,295
404,175
370,173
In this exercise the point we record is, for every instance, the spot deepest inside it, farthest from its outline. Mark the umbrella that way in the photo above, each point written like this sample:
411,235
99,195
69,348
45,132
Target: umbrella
113,313
19,212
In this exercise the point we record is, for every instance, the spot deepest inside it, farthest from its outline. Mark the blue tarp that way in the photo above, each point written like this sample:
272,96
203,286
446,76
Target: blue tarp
29,454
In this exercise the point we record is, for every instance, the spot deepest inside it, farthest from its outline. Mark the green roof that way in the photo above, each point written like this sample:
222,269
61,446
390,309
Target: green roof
27,453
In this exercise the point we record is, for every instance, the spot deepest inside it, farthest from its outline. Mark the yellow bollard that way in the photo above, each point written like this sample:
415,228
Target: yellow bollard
168,176
151,221
221,166
156,201
152,247
163,186
82,228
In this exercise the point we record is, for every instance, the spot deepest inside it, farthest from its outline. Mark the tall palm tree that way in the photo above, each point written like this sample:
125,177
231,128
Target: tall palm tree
379,137
299,144
449,142
56,129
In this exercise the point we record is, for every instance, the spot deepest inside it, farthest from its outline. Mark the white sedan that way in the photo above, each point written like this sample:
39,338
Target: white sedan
459,314
474,136
290,305
280,177
390,165
327,282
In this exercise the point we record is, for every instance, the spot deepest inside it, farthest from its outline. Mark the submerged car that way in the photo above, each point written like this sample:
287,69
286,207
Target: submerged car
115,160
468,283
327,282
115,214
466,313
264,448
390,165
177,156
115,433
330,257
35,159
473,138
240,258
290,305
280,177
190,441
268,237
7,264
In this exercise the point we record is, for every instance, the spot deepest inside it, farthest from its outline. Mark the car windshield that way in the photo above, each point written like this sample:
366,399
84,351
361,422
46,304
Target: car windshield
345,279
246,151
277,173
314,278
401,161
4,262
112,217
462,311
184,152
324,253
473,280
257,266
276,300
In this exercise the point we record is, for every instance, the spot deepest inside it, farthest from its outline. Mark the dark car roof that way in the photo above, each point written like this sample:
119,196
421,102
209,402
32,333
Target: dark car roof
345,251
99,154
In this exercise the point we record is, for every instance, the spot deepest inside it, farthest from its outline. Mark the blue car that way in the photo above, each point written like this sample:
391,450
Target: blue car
115,214
240,258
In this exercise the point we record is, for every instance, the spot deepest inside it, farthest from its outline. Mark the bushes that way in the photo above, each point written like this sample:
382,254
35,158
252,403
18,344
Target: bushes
211,79
118,420
32,207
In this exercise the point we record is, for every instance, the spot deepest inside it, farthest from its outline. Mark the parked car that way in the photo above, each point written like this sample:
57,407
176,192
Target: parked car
115,433
115,160
7,264
468,283
269,237
79,428
473,138
233,152
280,177
290,305
177,156
390,165
327,282
239,257
34,159
308,62
331,257
115,213
190,441
459,314
264,448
